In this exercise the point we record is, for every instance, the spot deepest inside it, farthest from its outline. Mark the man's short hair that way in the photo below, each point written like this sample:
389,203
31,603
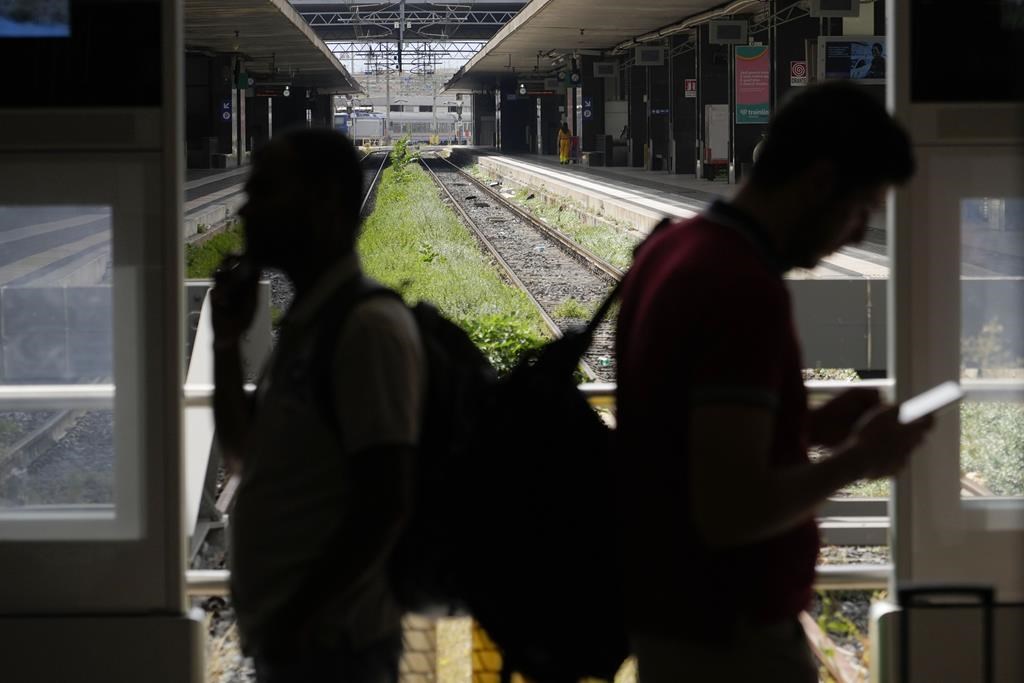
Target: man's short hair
324,160
839,122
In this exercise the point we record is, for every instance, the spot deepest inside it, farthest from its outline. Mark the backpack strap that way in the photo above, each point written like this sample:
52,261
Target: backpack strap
332,318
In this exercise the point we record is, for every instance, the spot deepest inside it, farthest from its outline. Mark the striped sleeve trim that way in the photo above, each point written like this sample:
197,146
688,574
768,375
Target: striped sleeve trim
734,394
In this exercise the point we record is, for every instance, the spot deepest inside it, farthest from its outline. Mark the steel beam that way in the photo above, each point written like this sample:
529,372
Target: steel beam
415,17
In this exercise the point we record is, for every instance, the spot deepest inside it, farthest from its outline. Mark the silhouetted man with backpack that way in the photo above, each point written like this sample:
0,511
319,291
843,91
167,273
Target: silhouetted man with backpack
326,448
718,495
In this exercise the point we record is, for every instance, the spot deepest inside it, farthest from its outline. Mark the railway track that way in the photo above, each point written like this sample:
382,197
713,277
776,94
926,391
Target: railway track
565,281
373,165
40,438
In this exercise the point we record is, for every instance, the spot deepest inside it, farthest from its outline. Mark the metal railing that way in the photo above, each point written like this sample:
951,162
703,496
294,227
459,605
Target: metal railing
216,582
209,582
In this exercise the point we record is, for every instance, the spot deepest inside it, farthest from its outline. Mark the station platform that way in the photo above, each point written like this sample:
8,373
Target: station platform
641,198
672,185
212,197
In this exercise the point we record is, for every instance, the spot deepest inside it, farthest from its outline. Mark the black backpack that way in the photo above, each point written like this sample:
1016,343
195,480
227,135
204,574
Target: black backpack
513,518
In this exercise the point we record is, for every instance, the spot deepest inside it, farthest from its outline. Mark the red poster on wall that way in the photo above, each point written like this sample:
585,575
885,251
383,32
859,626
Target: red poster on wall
753,79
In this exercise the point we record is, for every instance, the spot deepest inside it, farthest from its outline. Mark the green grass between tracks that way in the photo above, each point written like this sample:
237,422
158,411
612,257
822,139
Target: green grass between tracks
613,242
202,259
417,245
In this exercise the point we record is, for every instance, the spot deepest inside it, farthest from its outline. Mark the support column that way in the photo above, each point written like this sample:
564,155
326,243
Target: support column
685,132
550,119
593,102
713,88
518,114
483,120
224,109
289,112
242,131
659,100
497,116
200,137
636,97
257,115
323,110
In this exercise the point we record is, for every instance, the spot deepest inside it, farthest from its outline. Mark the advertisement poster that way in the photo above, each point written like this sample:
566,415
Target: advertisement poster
862,59
753,68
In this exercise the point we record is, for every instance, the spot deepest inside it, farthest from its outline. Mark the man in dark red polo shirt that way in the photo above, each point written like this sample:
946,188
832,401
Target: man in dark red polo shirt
719,537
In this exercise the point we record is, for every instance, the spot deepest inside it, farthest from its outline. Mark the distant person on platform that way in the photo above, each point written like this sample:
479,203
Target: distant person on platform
326,447
718,496
877,67
564,143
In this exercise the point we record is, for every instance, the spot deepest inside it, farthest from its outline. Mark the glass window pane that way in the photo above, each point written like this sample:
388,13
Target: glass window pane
992,448
992,342
56,327
55,296
58,457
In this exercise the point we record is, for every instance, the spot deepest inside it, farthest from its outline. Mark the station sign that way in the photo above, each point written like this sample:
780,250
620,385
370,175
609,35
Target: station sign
588,107
690,88
535,88
271,90
798,73
225,109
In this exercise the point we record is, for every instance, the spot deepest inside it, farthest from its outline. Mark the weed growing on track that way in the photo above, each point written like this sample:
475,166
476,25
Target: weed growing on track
415,244
572,308
202,259
401,158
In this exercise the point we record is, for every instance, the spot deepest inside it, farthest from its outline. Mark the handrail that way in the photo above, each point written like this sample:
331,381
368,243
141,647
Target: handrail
101,396
216,582
24,397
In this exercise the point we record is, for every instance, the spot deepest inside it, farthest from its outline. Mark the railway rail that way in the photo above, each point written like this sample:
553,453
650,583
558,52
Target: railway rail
545,264
372,171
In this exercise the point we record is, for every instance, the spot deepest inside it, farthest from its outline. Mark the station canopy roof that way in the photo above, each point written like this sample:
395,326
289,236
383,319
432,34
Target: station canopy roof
277,45
426,20
545,27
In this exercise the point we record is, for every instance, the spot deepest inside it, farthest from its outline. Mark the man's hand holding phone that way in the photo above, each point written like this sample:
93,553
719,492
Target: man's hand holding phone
880,444
233,299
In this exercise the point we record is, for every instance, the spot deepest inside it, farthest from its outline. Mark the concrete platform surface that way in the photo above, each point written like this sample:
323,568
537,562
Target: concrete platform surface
641,198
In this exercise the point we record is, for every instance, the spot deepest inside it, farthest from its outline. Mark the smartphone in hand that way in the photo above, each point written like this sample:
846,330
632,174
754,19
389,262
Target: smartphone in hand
235,270
930,401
